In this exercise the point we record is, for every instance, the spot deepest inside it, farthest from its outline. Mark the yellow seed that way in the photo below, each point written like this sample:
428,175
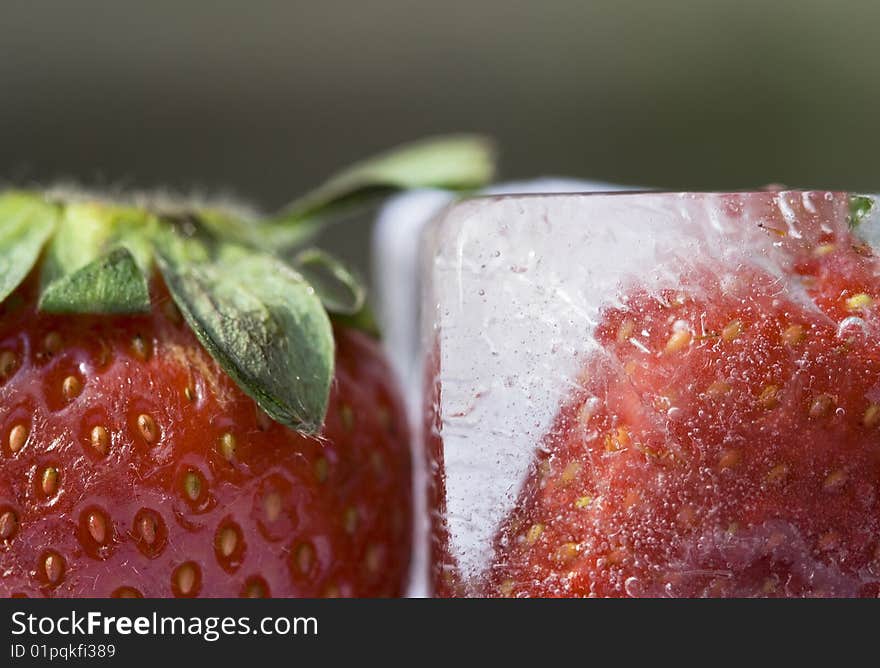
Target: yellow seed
729,459
8,524
148,529
189,393
8,362
148,428
824,249
71,387
103,354
185,577
732,330
100,439
769,397
255,589
616,556
566,552
718,388
822,406
228,444
272,506
625,331
192,485
678,341
305,555
769,586
139,348
570,472
49,480
773,230
835,480
53,567
227,541
777,474
97,527
544,468
617,439
793,335
506,588
374,558
610,444
17,437
52,343
350,519
871,418
534,533
859,301
384,415
347,416
127,592
321,469
583,502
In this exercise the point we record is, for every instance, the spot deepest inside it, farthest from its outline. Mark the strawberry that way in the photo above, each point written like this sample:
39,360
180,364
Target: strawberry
179,415
725,440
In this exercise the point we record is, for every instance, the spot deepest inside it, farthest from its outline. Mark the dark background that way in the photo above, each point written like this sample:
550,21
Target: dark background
263,99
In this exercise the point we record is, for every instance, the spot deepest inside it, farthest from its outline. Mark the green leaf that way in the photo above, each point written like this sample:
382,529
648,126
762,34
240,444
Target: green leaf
859,207
26,223
98,259
269,236
260,320
90,229
455,162
111,284
339,290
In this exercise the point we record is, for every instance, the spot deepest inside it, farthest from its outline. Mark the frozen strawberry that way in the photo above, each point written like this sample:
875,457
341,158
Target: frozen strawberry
723,442
193,405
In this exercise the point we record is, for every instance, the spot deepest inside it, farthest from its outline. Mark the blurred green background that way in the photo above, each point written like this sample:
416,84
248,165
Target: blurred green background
263,99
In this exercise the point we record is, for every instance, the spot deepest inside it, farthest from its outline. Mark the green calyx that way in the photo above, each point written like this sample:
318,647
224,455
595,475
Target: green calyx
859,208
257,300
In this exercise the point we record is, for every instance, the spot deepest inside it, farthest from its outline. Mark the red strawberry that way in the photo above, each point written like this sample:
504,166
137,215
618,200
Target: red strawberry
133,466
724,443
178,415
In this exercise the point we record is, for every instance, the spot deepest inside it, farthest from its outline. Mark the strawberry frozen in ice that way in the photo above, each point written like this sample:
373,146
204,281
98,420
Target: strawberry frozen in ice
721,435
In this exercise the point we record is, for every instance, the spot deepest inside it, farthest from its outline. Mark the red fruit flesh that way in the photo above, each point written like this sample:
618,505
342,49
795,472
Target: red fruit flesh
133,466
735,451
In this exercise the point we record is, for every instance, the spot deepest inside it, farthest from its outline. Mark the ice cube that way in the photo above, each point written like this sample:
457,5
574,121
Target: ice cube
516,287
397,278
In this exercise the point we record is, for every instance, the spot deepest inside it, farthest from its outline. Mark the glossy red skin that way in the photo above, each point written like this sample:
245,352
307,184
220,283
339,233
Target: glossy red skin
345,496
676,472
